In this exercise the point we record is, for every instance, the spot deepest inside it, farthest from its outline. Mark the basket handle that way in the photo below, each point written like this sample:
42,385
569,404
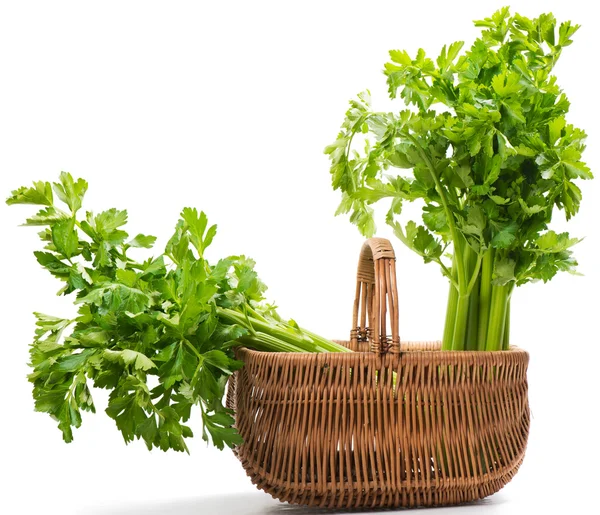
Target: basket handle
376,291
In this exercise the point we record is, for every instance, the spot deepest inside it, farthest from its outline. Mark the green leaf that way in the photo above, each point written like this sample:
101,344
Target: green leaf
142,241
423,242
107,223
71,192
127,277
49,324
435,218
400,159
548,265
172,371
504,272
552,242
148,430
577,169
92,337
40,194
225,333
46,216
65,238
423,175
454,49
178,245
207,385
475,223
220,360
116,297
565,32
53,264
505,237
196,225
555,128
499,200
61,270
461,177
130,357
362,217
533,209
153,267
570,197
400,57
371,195
446,58
220,428
73,362
506,84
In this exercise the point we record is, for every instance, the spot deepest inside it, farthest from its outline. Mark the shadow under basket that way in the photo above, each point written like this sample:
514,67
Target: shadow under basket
389,425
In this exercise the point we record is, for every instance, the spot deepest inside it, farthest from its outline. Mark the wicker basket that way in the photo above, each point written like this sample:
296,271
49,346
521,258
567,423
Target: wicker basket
390,425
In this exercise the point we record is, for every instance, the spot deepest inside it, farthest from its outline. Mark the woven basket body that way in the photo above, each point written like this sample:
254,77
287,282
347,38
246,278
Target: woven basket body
389,425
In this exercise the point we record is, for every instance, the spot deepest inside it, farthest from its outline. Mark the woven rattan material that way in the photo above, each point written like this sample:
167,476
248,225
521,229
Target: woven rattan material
406,425
360,430
376,292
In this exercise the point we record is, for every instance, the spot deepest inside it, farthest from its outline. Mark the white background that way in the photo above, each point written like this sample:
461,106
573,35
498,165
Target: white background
227,106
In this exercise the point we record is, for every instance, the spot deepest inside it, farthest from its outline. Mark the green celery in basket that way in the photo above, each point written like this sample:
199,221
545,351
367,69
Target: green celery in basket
493,159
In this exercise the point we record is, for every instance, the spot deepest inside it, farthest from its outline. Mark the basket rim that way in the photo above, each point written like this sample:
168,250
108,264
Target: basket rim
513,352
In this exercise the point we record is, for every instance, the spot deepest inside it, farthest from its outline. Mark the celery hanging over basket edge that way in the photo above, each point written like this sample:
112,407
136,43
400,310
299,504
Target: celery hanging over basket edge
175,318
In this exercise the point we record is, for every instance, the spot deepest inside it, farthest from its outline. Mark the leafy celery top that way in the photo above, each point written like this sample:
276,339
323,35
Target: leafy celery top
490,164
158,334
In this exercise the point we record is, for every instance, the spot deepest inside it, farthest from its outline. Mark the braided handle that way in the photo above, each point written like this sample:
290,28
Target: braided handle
376,291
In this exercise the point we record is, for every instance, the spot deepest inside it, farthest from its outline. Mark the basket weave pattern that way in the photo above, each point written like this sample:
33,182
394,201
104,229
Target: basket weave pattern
397,425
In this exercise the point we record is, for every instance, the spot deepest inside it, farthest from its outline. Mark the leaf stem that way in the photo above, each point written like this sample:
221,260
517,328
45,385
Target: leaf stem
485,297
460,324
193,349
450,311
305,341
444,200
506,341
475,275
495,336
447,273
